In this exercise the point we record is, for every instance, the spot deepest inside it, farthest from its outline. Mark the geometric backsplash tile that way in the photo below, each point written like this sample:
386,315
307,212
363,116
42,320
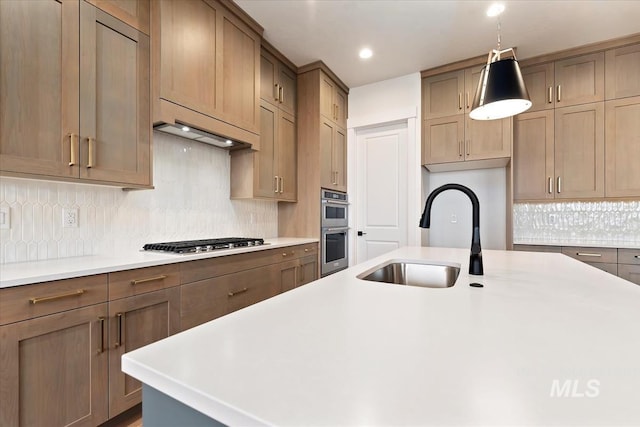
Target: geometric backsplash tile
190,200
611,223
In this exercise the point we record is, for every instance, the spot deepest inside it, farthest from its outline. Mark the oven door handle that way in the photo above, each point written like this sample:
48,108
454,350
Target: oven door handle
335,202
331,230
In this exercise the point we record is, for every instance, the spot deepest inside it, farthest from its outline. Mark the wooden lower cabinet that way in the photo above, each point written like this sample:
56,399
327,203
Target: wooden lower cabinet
135,322
54,369
298,272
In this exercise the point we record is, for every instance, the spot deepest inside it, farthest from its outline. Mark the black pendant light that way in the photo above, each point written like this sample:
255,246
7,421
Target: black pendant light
501,91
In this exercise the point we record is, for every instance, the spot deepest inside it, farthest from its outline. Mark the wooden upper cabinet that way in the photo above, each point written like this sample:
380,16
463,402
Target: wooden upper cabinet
443,140
533,155
487,139
579,151
133,12
622,147
442,95
115,122
206,68
333,156
622,77
277,83
538,80
39,83
579,80
333,101
83,112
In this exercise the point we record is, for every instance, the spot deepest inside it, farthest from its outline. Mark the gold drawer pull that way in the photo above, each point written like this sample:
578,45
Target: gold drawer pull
119,317
306,249
101,319
73,142
588,254
55,297
284,254
241,291
91,142
150,279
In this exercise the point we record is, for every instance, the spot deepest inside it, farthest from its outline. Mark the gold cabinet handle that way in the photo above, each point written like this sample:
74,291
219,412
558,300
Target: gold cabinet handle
306,249
148,279
73,142
559,93
119,317
559,186
276,91
277,179
101,320
281,185
467,97
56,297
594,255
460,148
468,146
281,94
550,185
241,291
550,95
459,100
91,160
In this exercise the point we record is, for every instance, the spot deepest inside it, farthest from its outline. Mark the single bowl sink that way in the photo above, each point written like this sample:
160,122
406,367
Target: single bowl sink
414,273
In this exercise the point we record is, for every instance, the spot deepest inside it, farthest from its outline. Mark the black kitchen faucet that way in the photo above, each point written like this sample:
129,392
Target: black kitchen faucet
475,260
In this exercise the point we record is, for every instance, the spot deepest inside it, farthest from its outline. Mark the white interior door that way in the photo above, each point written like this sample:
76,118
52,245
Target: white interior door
381,207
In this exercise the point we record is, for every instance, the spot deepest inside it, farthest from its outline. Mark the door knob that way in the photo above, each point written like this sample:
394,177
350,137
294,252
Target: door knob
360,233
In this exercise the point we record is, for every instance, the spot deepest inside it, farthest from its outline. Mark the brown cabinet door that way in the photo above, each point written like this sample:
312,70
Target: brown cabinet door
579,80
268,78
115,123
538,80
327,175
487,139
622,72
54,369
443,140
188,67
579,151
629,272
39,86
287,80
340,99
340,158
622,147
239,48
133,323
289,275
533,151
264,173
308,270
327,103
133,12
286,155
443,95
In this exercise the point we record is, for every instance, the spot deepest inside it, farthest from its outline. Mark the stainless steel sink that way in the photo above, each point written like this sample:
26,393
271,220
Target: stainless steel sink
414,273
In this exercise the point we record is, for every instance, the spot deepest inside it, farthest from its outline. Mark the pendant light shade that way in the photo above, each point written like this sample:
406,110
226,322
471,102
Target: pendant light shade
501,91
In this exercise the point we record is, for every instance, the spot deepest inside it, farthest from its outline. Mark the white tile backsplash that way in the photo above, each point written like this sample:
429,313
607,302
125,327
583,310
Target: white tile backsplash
190,200
608,223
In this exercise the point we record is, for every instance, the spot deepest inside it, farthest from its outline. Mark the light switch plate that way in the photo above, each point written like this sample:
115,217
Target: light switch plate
5,218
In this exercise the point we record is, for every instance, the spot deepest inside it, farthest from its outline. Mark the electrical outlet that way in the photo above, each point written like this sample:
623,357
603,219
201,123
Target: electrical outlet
5,218
70,218
454,219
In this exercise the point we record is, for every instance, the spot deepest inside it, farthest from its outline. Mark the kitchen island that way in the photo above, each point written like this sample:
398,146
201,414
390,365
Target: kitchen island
546,340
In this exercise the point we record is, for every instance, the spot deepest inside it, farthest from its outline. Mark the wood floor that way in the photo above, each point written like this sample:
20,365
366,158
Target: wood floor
129,418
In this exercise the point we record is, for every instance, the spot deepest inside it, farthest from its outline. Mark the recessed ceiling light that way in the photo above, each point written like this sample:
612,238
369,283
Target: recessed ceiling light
229,142
495,9
366,53
185,129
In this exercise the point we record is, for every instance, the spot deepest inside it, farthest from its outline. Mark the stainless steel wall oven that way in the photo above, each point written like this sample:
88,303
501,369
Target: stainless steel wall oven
334,236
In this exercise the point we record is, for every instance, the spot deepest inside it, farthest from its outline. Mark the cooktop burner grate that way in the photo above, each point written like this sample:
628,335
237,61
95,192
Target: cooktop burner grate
205,245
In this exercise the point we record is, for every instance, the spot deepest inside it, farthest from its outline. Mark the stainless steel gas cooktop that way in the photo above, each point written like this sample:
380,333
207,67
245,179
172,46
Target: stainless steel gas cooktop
205,245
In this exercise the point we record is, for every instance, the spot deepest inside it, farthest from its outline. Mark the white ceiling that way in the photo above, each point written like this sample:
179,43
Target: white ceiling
407,36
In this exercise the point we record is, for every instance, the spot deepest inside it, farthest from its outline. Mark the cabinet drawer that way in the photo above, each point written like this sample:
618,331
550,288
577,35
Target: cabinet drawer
629,272
605,266
142,280
537,248
29,301
296,252
629,256
193,271
592,255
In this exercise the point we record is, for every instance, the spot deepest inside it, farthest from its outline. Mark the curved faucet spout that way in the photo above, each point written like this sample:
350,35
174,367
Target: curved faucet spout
475,260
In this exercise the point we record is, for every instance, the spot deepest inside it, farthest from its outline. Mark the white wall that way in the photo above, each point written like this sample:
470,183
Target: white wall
388,101
190,201
490,187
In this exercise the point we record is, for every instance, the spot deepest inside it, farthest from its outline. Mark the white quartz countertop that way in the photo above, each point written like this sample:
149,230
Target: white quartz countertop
548,340
23,273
